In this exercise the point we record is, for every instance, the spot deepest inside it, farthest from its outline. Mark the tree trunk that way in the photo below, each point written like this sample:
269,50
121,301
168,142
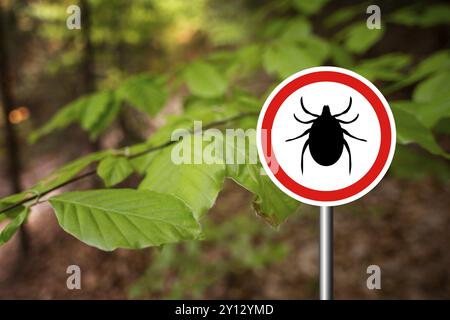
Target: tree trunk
88,59
11,141
8,105
88,63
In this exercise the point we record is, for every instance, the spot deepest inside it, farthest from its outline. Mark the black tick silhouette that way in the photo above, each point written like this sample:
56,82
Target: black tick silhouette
326,136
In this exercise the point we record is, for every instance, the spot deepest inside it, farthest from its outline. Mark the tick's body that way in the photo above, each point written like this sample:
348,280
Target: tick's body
326,136
326,141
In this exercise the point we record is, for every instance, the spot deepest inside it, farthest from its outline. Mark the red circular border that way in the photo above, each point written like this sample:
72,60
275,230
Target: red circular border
377,105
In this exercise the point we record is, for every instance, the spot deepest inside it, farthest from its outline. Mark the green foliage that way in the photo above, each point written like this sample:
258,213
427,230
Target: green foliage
270,202
197,184
146,93
433,89
124,218
341,56
67,172
173,198
95,112
428,113
410,130
239,245
388,67
19,215
204,80
295,30
283,59
309,7
358,38
436,62
343,15
10,200
425,16
415,165
114,170
62,119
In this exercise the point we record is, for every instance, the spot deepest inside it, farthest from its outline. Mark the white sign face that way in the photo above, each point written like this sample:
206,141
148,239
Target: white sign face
326,136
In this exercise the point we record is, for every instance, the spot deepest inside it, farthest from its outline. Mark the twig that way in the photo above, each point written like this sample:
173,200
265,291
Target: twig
136,155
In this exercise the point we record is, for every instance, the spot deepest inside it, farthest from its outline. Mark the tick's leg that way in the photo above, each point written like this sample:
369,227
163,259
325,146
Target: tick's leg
349,157
304,122
306,111
347,122
303,152
346,110
350,135
304,133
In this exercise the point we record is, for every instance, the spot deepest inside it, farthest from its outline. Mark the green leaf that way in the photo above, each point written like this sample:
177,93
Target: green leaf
316,47
387,67
243,101
246,61
429,113
196,184
309,6
105,119
343,15
340,56
435,15
284,59
94,107
434,88
114,170
90,111
141,163
411,130
443,126
273,28
241,159
11,199
413,165
270,202
358,38
199,109
437,62
204,80
20,215
67,172
146,93
296,30
61,119
427,16
124,218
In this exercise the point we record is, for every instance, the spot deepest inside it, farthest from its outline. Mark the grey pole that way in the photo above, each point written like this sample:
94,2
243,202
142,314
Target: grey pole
326,253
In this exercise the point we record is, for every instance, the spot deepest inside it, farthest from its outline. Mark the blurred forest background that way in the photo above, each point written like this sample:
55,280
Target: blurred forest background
214,54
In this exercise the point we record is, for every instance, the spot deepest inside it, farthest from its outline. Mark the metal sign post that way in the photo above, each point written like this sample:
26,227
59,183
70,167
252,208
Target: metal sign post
326,137
326,253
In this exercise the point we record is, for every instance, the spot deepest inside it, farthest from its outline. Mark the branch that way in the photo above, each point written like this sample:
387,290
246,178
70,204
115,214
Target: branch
136,155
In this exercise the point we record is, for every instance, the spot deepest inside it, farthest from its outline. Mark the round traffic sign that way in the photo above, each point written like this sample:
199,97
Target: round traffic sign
326,136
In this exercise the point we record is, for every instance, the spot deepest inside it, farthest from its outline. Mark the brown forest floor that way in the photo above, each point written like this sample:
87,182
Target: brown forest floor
400,226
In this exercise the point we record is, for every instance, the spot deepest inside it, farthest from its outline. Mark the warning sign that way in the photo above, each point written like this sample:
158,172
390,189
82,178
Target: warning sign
326,136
